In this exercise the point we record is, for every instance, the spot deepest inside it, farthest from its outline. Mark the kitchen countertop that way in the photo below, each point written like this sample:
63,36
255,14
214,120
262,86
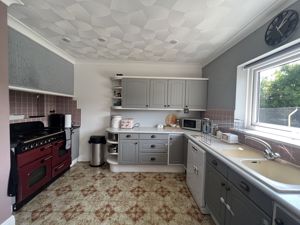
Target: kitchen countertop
291,201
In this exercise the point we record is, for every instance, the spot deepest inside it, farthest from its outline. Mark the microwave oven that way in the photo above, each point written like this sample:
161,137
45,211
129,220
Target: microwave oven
191,124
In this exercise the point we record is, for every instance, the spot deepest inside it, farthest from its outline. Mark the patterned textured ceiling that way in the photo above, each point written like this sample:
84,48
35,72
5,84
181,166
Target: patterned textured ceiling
139,30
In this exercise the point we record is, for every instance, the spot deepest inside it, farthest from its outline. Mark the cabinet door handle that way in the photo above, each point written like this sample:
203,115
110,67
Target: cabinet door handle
128,136
135,143
223,184
165,106
229,209
222,201
152,136
214,162
152,159
244,186
152,146
147,105
195,149
278,222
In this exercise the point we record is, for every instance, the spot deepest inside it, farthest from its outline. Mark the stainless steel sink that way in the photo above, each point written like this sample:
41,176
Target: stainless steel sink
276,170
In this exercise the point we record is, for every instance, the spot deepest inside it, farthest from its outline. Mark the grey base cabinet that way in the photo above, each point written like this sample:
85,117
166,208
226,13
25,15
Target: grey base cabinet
283,217
227,204
176,149
195,173
128,152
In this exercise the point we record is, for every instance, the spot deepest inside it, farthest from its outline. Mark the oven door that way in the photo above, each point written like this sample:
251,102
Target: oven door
33,176
60,153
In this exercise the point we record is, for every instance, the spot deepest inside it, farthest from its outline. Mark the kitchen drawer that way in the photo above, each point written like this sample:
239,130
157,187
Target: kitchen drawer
128,136
252,192
31,155
151,146
154,136
60,168
157,159
217,164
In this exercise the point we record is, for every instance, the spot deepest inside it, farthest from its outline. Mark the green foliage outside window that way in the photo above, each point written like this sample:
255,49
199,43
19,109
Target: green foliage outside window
283,90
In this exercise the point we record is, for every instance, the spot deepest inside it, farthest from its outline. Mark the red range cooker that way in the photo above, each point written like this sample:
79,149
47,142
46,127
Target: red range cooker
39,155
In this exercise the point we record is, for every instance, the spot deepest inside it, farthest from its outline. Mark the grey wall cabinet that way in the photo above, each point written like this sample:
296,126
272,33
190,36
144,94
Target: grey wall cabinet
35,67
128,152
227,204
164,93
158,93
167,93
176,94
176,149
196,94
75,143
135,93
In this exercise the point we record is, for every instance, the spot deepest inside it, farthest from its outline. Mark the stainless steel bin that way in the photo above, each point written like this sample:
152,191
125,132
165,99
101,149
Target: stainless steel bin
97,150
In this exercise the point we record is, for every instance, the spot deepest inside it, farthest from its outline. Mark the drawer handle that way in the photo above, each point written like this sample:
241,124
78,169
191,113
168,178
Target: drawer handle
46,159
244,186
152,136
222,201
128,136
278,222
152,159
152,146
214,162
229,209
58,168
223,184
135,143
195,149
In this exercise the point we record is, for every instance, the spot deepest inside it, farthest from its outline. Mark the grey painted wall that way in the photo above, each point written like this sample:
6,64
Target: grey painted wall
5,203
222,71
33,66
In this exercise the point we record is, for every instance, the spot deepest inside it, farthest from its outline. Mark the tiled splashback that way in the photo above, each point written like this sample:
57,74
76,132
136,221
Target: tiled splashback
287,152
219,116
32,104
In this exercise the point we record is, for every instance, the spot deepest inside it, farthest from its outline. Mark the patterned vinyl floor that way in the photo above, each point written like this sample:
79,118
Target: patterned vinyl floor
86,195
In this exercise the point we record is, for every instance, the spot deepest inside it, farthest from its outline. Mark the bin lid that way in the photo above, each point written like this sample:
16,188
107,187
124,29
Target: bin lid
97,140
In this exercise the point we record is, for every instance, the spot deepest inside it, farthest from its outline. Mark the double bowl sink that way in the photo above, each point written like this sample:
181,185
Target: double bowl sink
277,174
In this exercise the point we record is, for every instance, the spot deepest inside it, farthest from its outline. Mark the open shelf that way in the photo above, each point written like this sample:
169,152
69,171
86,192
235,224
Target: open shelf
117,97
112,142
117,87
112,159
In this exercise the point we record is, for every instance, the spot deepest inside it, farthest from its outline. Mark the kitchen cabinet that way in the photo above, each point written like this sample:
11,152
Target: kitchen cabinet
75,143
283,217
135,93
195,174
196,94
176,94
176,149
128,151
170,94
225,201
35,67
158,93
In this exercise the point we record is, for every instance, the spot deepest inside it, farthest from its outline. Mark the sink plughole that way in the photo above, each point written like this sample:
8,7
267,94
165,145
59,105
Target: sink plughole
276,170
243,153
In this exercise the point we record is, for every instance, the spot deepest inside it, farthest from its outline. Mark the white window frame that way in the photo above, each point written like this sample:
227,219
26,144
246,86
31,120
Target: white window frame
252,99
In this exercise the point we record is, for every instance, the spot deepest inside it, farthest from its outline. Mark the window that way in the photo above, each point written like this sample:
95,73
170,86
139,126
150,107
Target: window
271,102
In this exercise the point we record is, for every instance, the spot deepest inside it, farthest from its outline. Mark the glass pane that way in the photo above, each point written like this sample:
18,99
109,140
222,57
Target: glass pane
279,95
37,175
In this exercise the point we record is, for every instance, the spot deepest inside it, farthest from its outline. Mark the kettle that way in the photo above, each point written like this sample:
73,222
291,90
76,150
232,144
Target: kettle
206,125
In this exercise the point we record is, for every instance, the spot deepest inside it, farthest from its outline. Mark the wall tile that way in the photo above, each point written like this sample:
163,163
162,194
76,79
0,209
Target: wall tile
24,103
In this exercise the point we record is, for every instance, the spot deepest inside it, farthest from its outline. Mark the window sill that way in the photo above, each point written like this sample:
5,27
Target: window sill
273,137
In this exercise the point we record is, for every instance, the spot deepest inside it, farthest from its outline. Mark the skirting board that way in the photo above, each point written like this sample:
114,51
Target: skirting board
74,161
146,168
10,221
